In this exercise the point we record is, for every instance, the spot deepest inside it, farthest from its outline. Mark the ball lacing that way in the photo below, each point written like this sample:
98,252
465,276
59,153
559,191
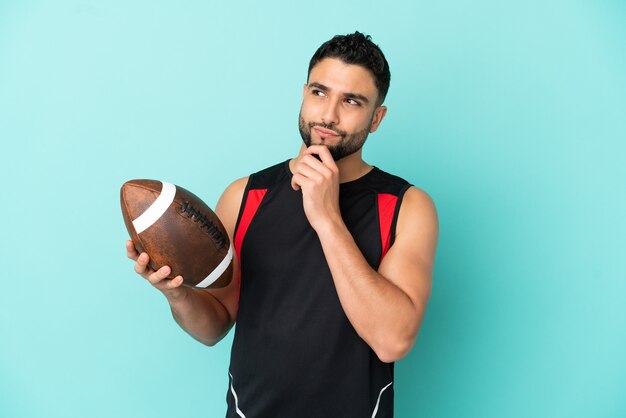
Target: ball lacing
205,223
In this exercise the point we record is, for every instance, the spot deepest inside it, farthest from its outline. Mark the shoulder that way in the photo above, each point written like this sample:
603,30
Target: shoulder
418,217
230,202
384,182
227,207
418,200
269,176
236,188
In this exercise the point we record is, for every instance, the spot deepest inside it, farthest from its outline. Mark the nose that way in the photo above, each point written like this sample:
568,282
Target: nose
330,113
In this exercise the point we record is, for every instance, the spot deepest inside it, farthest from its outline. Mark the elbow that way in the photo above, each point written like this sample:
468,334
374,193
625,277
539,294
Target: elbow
394,345
209,343
391,351
210,340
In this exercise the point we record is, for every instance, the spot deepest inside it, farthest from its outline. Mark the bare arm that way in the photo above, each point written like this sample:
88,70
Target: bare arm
205,314
385,307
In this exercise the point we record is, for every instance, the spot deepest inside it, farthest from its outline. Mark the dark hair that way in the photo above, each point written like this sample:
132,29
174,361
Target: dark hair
358,49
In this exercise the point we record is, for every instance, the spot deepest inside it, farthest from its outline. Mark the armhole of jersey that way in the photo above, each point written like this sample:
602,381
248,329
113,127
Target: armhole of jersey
385,207
254,193
396,213
388,208
244,198
250,205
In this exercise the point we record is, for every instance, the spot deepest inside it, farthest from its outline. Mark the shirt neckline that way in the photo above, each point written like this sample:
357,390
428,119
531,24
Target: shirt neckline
344,184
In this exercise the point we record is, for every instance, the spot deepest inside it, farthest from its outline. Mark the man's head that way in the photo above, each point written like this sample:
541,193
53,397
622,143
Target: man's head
347,82
357,49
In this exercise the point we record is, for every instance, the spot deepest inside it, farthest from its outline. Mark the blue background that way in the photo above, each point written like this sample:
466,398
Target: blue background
511,115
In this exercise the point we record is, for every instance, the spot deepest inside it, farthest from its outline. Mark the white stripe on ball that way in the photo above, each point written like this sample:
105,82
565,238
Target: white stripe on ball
156,209
219,270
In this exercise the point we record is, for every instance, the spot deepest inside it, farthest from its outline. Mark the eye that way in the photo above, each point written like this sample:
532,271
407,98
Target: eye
316,92
352,102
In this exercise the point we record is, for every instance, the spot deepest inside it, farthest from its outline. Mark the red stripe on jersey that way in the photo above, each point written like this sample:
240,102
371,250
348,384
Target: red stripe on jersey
386,207
255,196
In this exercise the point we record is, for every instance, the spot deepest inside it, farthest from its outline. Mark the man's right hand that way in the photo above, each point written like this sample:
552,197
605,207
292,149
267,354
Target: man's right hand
171,288
206,314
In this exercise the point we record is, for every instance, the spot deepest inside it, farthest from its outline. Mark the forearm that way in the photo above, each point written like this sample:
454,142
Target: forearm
201,315
381,313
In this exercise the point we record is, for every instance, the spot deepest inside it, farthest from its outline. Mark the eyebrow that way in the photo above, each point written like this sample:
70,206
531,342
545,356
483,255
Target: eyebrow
356,96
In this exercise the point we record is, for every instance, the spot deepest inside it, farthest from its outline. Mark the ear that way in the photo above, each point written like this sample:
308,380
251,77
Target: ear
304,89
379,115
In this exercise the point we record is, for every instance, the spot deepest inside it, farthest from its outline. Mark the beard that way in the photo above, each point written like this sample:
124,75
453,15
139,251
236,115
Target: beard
348,144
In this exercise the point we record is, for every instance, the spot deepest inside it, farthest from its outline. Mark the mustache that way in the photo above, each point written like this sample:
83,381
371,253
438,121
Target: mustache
326,126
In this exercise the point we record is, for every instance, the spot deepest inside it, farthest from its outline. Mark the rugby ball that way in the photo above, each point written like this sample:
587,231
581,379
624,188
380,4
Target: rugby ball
176,228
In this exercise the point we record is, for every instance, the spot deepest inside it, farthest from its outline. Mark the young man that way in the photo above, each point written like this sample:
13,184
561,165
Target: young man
333,261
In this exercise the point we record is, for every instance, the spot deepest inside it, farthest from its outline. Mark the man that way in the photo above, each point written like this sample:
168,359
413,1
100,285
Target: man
333,261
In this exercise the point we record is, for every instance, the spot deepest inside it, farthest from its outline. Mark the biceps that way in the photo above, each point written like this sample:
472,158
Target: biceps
409,273
409,262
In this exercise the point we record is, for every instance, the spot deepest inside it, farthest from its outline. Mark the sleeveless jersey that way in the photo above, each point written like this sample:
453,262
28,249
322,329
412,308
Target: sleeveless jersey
295,354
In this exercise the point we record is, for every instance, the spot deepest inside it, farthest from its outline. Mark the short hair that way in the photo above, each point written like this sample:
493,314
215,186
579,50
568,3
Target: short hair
358,49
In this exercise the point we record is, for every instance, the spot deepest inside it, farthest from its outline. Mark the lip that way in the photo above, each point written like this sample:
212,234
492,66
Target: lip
325,133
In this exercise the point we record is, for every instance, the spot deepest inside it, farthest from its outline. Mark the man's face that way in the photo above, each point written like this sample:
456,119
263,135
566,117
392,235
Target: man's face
339,107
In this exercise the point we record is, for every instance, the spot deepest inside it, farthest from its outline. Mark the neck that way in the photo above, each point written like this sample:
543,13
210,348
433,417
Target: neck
351,167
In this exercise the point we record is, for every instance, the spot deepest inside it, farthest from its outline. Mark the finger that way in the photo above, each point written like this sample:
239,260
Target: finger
300,180
327,158
314,149
159,275
313,173
169,284
295,182
131,251
322,171
323,152
174,283
311,161
141,266
317,165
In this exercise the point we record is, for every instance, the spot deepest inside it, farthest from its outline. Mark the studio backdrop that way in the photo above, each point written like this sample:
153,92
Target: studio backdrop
510,115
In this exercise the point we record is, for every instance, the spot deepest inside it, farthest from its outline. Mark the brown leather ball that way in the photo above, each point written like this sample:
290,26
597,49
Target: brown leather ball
176,228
